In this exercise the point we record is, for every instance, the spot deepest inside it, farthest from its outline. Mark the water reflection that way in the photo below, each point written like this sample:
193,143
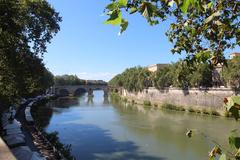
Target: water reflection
90,100
106,100
121,131
42,115
65,102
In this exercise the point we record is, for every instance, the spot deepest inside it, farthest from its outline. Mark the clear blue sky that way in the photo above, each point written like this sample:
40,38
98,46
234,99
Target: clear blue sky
88,48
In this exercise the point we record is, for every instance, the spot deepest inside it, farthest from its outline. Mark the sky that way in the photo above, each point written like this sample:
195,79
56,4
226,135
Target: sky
86,47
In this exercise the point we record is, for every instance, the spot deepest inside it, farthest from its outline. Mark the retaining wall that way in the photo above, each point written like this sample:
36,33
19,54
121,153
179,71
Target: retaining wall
193,97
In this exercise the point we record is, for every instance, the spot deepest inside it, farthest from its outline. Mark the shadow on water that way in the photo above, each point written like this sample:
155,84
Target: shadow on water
96,143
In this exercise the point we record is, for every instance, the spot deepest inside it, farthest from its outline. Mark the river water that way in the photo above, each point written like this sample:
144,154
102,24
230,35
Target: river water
98,129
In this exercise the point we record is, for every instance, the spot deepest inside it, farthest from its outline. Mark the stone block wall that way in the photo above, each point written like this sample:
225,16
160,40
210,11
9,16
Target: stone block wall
194,97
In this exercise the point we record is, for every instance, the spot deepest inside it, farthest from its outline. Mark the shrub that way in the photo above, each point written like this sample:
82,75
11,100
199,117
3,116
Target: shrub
169,106
147,103
205,111
191,110
215,113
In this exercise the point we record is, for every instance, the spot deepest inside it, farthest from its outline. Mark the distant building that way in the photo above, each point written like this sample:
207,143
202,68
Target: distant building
234,54
155,67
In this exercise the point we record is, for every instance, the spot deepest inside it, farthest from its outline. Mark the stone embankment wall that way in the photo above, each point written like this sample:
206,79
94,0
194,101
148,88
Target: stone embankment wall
194,97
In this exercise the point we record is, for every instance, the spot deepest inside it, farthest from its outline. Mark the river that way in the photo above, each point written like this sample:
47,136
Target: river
100,130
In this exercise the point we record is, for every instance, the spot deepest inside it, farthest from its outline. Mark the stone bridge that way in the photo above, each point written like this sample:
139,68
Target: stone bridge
76,90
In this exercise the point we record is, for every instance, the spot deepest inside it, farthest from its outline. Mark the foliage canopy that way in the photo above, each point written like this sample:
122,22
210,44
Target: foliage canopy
26,26
204,27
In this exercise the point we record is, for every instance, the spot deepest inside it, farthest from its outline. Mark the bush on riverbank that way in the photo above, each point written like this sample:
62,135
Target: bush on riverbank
173,107
147,103
65,150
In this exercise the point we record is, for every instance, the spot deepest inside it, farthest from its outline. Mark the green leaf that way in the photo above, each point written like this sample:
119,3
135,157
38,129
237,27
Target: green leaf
133,10
123,26
234,140
203,56
122,3
185,6
223,157
233,101
115,18
171,3
210,18
219,23
214,152
235,113
210,4
146,13
112,6
237,154
147,10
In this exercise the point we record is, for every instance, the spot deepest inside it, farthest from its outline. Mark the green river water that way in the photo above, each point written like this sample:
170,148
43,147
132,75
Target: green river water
98,129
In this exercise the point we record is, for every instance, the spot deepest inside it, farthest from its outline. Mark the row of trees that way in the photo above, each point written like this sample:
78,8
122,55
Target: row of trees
68,80
133,79
180,74
26,27
231,73
74,80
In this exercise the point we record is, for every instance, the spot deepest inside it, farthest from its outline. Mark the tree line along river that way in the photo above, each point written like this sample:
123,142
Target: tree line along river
100,129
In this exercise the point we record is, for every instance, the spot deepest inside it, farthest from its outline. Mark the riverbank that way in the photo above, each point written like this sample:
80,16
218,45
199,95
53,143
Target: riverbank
24,136
134,100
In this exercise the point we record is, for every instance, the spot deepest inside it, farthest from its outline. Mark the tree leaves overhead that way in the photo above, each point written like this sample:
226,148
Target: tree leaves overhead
122,3
123,26
26,26
115,18
197,25
185,5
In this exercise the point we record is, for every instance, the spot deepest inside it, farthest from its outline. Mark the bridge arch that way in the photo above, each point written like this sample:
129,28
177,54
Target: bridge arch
79,91
64,92
76,90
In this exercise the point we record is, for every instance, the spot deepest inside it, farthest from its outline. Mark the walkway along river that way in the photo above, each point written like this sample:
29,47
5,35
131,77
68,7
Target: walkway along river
100,130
